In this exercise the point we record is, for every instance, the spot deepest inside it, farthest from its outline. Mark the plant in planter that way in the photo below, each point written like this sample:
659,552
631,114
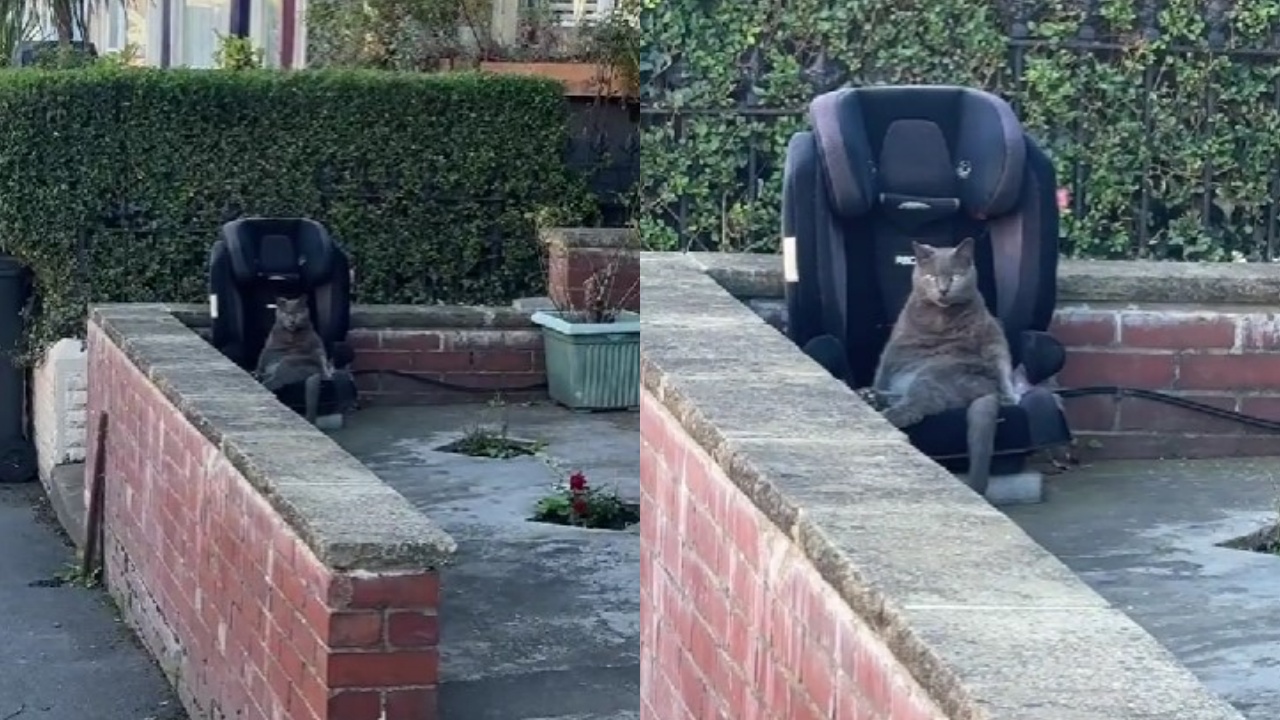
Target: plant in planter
595,58
581,505
614,45
591,340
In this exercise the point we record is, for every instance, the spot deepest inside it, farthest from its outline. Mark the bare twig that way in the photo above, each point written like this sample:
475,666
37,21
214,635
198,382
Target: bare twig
603,298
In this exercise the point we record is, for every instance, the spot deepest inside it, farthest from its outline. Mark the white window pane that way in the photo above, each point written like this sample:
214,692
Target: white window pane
300,35
146,29
265,27
117,27
201,23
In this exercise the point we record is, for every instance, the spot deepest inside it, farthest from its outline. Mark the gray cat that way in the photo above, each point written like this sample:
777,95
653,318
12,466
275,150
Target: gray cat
946,351
295,353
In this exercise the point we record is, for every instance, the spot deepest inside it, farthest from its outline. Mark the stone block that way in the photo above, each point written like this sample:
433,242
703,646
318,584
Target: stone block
58,406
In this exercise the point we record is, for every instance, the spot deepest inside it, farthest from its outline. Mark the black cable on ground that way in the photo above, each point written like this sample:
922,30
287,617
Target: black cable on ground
426,380
1066,393
1155,396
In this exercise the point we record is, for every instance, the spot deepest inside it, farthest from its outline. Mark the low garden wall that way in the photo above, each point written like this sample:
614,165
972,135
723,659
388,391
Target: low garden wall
1206,332
801,560
405,354
231,546
476,353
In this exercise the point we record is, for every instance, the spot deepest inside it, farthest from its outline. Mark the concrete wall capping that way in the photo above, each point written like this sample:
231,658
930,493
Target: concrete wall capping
390,317
760,276
988,623
368,317
592,238
310,481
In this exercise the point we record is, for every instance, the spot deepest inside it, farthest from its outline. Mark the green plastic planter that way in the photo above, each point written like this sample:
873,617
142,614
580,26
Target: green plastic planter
592,366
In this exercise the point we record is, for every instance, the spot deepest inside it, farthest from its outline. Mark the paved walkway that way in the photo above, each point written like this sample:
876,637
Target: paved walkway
63,653
1145,534
538,622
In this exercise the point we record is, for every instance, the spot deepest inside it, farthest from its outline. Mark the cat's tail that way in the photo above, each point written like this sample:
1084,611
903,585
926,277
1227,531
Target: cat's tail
982,416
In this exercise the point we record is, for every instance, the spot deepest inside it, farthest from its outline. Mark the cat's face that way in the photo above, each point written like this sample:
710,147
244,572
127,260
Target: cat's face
945,276
292,313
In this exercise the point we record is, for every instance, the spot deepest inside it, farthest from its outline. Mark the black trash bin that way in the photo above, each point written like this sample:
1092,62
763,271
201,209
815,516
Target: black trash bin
17,454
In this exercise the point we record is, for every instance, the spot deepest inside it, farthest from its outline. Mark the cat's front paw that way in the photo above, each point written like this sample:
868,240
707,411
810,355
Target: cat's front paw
872,397
901,416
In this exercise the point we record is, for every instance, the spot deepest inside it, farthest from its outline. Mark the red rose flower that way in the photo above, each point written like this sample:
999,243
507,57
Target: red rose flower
577,482
580,507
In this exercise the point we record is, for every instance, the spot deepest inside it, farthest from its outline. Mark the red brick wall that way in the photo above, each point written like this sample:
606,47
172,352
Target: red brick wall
735,623
242,616
568,268
486,360
1228,357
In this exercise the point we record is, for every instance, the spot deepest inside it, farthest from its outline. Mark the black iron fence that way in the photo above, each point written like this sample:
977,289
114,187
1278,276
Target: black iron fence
1165,128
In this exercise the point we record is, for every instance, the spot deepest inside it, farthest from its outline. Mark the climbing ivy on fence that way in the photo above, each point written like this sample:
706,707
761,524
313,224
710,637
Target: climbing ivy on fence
1162,116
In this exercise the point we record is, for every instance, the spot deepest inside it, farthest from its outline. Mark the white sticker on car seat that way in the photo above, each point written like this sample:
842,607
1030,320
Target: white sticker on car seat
790,268
213,306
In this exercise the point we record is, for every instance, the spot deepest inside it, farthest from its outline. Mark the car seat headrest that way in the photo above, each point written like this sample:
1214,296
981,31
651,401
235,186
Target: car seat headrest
294,251
917,182
919,152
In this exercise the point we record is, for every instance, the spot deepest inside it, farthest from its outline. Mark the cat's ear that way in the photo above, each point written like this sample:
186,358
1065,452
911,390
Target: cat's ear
282,302
923,252
964,251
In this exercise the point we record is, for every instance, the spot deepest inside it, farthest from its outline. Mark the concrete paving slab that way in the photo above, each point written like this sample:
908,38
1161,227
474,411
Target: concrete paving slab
539,622
1145,534
63,652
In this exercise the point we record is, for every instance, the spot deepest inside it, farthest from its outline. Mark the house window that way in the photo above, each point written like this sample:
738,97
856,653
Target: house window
266,28
116,28
298,51
117,25
143,30
186,32
571,13
197,27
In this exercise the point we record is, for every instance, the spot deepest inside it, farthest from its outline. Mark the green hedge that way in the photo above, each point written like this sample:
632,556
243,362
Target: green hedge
1163,107
431,182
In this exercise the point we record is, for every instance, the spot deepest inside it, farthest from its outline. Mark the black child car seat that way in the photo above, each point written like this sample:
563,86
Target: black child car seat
884,166
256,260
